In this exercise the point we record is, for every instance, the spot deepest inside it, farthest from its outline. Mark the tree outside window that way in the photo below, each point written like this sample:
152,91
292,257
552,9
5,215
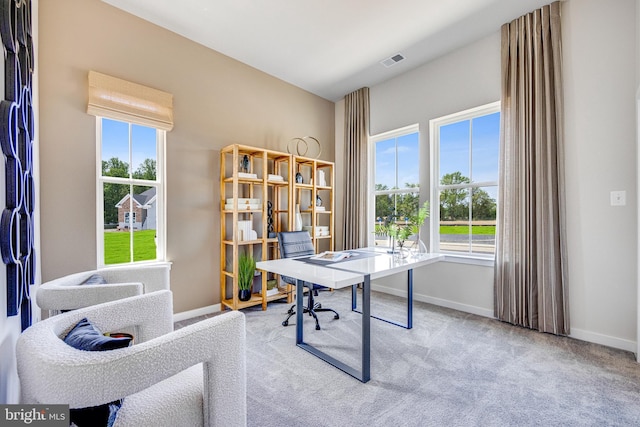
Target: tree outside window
466,148
396,173
131,191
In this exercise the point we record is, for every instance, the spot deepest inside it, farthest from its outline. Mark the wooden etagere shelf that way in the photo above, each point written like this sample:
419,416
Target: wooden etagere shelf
258,194
315,198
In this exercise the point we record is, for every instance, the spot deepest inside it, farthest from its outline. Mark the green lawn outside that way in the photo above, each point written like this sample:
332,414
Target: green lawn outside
464,229
116,246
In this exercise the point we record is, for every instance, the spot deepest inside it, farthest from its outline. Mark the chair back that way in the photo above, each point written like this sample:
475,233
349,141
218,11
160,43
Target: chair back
293,244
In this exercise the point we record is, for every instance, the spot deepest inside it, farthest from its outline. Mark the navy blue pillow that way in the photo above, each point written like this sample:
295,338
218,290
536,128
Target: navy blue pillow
95,279
85,336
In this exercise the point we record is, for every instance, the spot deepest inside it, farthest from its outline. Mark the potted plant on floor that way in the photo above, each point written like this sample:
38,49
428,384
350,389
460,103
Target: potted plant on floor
246,271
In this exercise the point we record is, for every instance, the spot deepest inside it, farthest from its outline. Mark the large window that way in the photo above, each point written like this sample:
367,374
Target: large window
465,181
396,160
130,192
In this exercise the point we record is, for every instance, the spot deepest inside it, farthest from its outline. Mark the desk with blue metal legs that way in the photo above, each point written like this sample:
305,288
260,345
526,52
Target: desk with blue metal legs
409,324
349,273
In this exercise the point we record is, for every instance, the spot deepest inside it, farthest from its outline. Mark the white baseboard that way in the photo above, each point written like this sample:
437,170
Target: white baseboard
211,309
437,301
579,334
607,340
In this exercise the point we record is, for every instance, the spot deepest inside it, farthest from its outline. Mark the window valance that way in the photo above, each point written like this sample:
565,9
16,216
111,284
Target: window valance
130,102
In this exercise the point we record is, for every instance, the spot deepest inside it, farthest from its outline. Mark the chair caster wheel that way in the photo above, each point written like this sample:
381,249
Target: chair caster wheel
318,305
317,327
336,317
285,323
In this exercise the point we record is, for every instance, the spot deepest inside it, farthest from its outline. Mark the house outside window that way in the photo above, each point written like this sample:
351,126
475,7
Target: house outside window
395,179
130,171
464,173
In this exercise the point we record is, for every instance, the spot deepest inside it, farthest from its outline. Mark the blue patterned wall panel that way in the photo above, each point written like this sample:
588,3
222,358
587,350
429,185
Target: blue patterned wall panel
16,142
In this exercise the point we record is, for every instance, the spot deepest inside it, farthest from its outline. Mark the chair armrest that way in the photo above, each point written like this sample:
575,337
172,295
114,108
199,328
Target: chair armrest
46,364
53,372
155,277
55,296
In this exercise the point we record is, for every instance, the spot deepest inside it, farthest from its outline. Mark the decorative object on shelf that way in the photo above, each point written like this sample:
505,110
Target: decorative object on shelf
318,201
270,232
244,164
247,175
301,146
299,179
321,179
246,272
297,226
274,177
272,287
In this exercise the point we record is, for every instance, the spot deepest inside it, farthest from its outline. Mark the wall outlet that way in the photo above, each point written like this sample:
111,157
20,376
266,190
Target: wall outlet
618,198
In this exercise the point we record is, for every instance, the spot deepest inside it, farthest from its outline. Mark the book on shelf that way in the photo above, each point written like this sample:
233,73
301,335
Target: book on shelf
247,175
331,256
273,177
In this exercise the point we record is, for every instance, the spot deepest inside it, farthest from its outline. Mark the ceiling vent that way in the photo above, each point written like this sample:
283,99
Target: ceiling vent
389,62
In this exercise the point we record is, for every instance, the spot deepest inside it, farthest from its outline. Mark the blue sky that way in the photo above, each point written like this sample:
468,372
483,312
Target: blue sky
115,142
408,159
455,150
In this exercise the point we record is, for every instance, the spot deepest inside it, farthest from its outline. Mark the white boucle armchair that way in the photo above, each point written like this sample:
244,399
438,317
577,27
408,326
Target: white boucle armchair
189,377
69,292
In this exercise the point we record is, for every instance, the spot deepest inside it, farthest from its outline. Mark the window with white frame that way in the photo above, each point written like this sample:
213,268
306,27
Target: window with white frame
130,181
396,172
464,173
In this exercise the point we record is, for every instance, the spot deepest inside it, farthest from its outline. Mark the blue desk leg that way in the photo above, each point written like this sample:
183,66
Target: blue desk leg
299,311
409,325
366,329
364,374
410,300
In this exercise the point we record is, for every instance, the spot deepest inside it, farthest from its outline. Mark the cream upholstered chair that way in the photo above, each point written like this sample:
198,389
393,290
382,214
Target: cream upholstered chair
189,377
70,292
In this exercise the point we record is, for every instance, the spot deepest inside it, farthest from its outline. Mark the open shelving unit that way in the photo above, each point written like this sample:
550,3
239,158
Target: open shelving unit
254,206
316,199
258,194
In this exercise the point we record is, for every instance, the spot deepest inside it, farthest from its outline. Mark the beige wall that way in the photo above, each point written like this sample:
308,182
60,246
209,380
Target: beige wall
217,101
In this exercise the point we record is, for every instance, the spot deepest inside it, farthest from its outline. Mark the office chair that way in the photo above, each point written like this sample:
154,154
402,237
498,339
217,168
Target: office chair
294,244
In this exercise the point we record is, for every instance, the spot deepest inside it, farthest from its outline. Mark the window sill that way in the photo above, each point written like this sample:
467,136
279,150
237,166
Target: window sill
468,259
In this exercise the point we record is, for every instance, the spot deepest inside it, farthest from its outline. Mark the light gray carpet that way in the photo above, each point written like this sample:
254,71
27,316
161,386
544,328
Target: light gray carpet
451,369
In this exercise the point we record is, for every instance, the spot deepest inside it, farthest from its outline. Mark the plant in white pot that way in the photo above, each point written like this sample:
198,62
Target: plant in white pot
246,272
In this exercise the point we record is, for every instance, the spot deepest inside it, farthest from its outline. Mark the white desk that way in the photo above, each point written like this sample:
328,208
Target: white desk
349,273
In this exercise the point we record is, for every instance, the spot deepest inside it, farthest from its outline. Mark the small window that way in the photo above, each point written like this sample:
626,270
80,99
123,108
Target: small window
465,175
395,164
130,192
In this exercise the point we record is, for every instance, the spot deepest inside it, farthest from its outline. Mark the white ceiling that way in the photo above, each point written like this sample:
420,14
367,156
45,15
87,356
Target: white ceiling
330,47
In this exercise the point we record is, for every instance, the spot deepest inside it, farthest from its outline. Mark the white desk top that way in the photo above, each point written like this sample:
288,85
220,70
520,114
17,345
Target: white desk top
346,273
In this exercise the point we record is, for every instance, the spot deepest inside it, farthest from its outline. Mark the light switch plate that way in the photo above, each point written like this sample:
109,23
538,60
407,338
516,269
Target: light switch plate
618,198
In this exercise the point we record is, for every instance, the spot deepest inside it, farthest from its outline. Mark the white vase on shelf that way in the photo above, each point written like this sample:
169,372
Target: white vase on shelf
297,225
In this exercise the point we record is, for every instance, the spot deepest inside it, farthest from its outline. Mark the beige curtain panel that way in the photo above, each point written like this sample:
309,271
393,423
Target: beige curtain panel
130,102
530,270
356,138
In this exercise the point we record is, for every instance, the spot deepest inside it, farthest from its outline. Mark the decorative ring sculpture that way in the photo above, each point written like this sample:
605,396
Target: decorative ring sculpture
300,146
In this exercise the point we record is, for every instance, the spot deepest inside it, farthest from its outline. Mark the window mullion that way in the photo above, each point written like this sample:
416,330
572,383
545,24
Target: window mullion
470,190
131,199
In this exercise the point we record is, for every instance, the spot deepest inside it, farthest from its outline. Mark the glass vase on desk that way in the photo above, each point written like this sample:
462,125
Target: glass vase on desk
401,252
